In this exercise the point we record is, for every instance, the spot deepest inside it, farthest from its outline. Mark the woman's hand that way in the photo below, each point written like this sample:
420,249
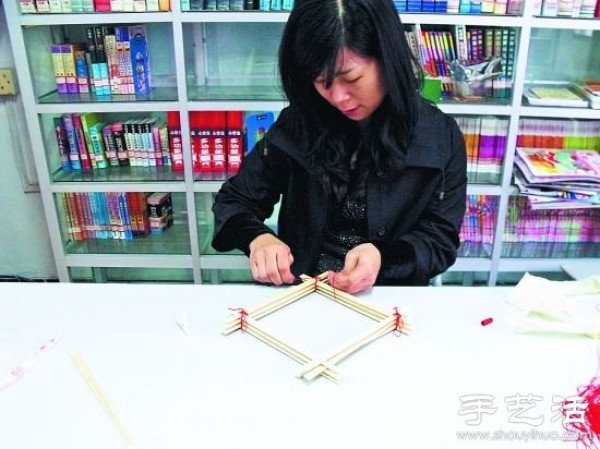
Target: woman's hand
360,271
270,260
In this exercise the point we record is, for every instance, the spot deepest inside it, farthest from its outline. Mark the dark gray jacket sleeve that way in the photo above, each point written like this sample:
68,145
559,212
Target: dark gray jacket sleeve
247,199
431,247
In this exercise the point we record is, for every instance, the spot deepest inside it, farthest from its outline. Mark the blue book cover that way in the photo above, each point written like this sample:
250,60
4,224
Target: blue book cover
257,126
427,5
413,6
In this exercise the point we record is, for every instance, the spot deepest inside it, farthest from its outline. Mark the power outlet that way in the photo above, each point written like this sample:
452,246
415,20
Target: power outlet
7,82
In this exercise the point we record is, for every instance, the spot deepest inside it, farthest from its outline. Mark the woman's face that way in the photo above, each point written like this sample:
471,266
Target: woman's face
357,89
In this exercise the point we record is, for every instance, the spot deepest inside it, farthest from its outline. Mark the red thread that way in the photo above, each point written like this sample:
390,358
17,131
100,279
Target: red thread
398,324
586,431
243,315
487,321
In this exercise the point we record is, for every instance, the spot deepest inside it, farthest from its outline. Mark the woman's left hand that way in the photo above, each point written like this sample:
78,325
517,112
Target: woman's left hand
360,271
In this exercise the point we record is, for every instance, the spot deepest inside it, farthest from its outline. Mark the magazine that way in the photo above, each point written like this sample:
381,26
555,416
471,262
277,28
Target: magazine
554,95
549,164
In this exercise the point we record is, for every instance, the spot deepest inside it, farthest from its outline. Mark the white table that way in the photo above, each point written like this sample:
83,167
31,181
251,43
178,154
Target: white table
581,270
209,391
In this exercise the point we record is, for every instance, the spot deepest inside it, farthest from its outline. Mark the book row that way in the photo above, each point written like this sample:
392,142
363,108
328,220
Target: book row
113,60
69,6
485,140
89,6
499,7
87,142
237,5
115,215
584,9
219,140
436,49
524,224
559,133
545,8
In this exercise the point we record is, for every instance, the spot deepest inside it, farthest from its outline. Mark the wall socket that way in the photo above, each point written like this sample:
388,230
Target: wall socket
7,82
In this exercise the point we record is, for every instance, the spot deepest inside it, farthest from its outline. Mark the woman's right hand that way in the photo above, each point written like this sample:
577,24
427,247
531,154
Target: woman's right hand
270,260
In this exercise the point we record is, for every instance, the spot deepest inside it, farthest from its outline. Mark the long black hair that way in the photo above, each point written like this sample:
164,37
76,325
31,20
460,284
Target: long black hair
316,31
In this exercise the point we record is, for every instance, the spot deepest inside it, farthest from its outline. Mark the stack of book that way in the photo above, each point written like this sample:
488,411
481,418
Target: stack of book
554,94
558,178
591,91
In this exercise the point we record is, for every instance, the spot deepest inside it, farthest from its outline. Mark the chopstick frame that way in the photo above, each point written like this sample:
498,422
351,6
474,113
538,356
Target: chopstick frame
369,312
268,307
254,329
312,369
324,287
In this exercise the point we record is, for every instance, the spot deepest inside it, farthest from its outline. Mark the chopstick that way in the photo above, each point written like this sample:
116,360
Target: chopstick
253,328
91,382
312,369
261,310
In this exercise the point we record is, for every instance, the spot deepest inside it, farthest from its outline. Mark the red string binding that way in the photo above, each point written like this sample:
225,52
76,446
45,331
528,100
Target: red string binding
399,324
243,315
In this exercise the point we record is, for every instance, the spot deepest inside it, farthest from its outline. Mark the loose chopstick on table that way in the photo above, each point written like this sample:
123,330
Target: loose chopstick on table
91,382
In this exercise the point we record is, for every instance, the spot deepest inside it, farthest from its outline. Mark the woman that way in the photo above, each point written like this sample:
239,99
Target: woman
372,178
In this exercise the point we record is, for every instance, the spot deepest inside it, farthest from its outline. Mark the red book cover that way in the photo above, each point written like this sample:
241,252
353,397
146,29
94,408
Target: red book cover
235,149
175,145
76,217
143,222
218,132
133,211
206,141
195,139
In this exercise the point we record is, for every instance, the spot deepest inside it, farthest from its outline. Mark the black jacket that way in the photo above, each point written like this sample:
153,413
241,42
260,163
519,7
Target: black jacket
414,220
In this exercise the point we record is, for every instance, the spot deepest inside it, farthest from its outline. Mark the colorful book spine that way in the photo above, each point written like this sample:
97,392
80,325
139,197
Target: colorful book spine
175,144
87,163
139,59
55,6
81,72
235,147
62,142
59,68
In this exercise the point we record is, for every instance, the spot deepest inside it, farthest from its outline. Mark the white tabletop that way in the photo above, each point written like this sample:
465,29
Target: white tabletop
206,390
581,270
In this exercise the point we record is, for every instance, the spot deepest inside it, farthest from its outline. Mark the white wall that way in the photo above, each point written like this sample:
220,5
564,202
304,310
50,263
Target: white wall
24,241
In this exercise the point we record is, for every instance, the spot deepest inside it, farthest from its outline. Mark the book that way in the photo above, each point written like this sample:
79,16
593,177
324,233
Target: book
591,91
550,164
554,95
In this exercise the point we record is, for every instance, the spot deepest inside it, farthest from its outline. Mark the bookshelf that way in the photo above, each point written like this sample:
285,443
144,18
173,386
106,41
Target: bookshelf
189,64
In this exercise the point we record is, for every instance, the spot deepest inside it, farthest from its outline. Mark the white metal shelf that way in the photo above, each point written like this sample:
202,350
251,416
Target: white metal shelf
94,18
475,109
166,186
236,105
555,112
129,260
565,23
513,264
463,19
234,16
129,106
